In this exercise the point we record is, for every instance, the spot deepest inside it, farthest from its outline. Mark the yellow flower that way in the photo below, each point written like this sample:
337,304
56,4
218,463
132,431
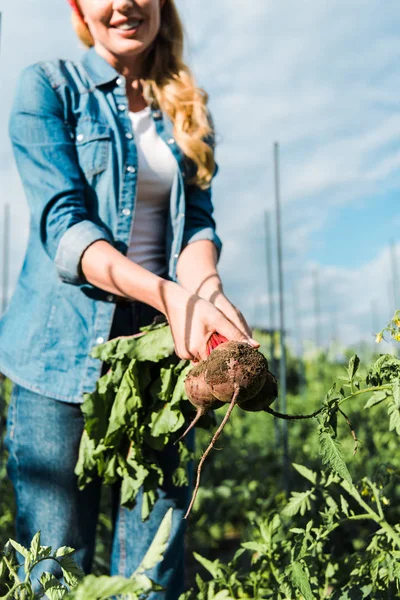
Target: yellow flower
397,322
379,338
397,337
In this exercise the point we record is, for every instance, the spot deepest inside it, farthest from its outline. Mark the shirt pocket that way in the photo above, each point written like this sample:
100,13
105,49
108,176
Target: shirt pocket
93,143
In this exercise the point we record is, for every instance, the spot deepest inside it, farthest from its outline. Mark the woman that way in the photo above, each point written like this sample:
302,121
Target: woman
116,157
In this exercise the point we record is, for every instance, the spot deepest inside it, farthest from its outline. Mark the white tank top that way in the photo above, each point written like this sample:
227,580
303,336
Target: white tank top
156,170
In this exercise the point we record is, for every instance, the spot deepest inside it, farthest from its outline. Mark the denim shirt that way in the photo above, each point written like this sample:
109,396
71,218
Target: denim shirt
76,155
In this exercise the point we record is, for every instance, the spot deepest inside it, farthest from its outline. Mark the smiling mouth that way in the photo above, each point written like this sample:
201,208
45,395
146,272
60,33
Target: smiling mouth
129,25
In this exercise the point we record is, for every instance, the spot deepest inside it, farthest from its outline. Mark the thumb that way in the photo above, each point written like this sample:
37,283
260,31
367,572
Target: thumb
233,334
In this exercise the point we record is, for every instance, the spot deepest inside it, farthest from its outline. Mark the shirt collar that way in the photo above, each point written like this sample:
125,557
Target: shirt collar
99,70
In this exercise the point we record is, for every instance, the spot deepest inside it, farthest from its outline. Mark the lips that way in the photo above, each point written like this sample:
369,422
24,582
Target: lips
127,24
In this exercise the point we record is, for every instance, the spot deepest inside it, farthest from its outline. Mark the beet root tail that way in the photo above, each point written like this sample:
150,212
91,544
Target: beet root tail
198,416
211,445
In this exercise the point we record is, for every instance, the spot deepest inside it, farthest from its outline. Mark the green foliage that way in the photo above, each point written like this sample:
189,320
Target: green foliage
327,528
76,586
138,408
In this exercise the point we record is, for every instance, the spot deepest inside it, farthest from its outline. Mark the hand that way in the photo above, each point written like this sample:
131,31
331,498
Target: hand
193,320
220,301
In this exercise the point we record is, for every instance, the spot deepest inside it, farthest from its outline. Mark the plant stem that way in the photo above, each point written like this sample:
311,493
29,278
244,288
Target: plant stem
375,491
317,412
377,388
293,417
211,445
12,570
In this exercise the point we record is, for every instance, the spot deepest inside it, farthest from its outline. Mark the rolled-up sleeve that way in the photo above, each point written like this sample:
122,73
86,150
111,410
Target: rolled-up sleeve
45,154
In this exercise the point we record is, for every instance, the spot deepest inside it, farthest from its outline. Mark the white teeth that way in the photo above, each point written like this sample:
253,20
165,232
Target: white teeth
129,25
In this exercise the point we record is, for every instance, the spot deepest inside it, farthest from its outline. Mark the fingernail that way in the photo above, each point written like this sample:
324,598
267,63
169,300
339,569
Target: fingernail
254,342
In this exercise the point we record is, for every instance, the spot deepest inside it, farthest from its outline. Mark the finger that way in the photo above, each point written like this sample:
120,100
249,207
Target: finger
199,353
233,333
184,354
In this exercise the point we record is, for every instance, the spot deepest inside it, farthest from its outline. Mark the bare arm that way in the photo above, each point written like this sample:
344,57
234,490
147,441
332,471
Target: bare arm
197,272
192,319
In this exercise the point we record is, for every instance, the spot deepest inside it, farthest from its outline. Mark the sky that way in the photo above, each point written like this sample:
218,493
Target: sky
323,82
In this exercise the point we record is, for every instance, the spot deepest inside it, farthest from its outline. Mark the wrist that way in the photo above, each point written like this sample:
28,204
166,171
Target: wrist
210,288
171,295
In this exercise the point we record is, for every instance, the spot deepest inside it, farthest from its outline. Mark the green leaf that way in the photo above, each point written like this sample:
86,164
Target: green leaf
212,567
255,547
394,420
71,571
104,587
332,455
223,595
180,475
344,505
167,420
179,392
300,580
25,553
168,379
53,589
127,402
376,398
97,406
307,473
35,545
396,392
157,549
154,345
104,352
352,369
64,551
131,484
299,502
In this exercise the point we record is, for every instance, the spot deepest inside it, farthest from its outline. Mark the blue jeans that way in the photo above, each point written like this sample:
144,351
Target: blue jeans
42,439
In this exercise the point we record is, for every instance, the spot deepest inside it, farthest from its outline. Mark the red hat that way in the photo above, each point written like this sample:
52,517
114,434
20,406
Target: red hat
76,8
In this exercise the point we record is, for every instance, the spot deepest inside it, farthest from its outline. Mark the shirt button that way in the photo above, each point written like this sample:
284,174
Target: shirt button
79,137
131,169
171,141
110,298
100,340
121,107
126,212
156,114
181,215
176,255
119,81
128,136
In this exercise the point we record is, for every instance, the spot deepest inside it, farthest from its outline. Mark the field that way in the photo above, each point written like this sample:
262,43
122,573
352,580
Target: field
327,526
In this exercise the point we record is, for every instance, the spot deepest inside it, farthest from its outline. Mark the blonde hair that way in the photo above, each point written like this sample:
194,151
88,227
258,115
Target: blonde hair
168,82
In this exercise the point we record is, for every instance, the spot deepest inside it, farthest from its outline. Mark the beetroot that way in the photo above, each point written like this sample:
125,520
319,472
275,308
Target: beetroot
234,373
235,363
265,396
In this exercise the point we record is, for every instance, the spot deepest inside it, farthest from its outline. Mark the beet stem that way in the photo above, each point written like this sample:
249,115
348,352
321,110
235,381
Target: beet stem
292,417
208,450
198,416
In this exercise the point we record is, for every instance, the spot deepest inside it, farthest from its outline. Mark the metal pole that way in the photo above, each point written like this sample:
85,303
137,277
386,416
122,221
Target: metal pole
270,288
6,230
268,238
299,336
282,378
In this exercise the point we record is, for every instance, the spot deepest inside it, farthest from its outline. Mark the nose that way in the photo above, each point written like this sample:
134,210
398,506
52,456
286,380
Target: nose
123,5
